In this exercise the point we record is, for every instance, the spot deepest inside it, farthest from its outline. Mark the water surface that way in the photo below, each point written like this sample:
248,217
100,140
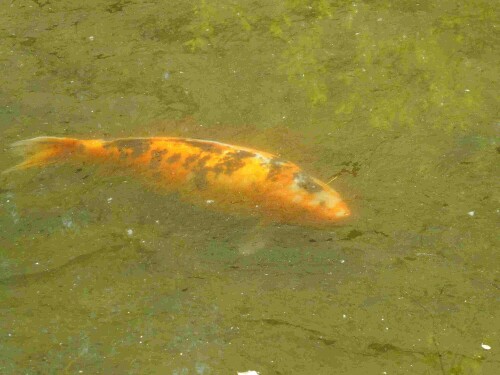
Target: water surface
396,104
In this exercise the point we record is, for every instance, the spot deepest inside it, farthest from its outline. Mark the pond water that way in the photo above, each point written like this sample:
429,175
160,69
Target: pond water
393,103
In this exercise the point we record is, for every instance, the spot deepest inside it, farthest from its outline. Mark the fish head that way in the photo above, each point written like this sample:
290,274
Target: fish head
327,205
317,202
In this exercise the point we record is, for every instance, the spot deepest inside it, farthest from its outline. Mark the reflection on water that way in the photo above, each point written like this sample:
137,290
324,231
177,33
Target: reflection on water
392,104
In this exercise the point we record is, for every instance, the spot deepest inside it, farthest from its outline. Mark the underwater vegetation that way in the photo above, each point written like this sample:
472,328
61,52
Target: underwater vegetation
398,63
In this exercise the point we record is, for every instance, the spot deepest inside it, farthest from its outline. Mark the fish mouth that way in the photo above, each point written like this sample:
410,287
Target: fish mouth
332,216
341,210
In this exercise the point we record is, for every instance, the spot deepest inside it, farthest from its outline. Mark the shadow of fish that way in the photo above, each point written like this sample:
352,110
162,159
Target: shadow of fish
222,176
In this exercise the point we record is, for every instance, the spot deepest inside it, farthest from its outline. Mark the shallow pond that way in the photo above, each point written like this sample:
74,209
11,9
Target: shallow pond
395,105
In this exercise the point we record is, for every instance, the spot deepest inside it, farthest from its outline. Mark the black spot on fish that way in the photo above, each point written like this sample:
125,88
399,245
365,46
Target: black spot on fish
202,162
157,157
231,162
204,145
174,158
307,183
242,154
199,173
138,146
190,159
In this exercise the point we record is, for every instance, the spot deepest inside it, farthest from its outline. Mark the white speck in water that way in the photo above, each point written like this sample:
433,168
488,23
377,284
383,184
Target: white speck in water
91,38
36,263
344,316
166,75
110,199
485,346
249,372
467,90
471,213
130,232
210,201
67,222
342,261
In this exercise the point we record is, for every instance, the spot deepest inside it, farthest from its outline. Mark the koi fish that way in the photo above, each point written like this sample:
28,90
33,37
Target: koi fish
221,175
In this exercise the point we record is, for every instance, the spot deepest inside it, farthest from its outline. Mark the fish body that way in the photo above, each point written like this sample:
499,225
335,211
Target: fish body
225,176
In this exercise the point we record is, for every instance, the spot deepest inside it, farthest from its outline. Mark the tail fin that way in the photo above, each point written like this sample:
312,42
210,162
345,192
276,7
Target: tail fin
42,151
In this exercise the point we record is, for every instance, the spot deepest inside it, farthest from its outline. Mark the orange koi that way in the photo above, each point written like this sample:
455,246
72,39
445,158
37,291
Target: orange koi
222,175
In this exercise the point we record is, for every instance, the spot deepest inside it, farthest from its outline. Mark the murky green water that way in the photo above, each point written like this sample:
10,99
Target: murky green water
398,100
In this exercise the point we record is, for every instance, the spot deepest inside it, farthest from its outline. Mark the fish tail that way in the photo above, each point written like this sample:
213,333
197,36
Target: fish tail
42,151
